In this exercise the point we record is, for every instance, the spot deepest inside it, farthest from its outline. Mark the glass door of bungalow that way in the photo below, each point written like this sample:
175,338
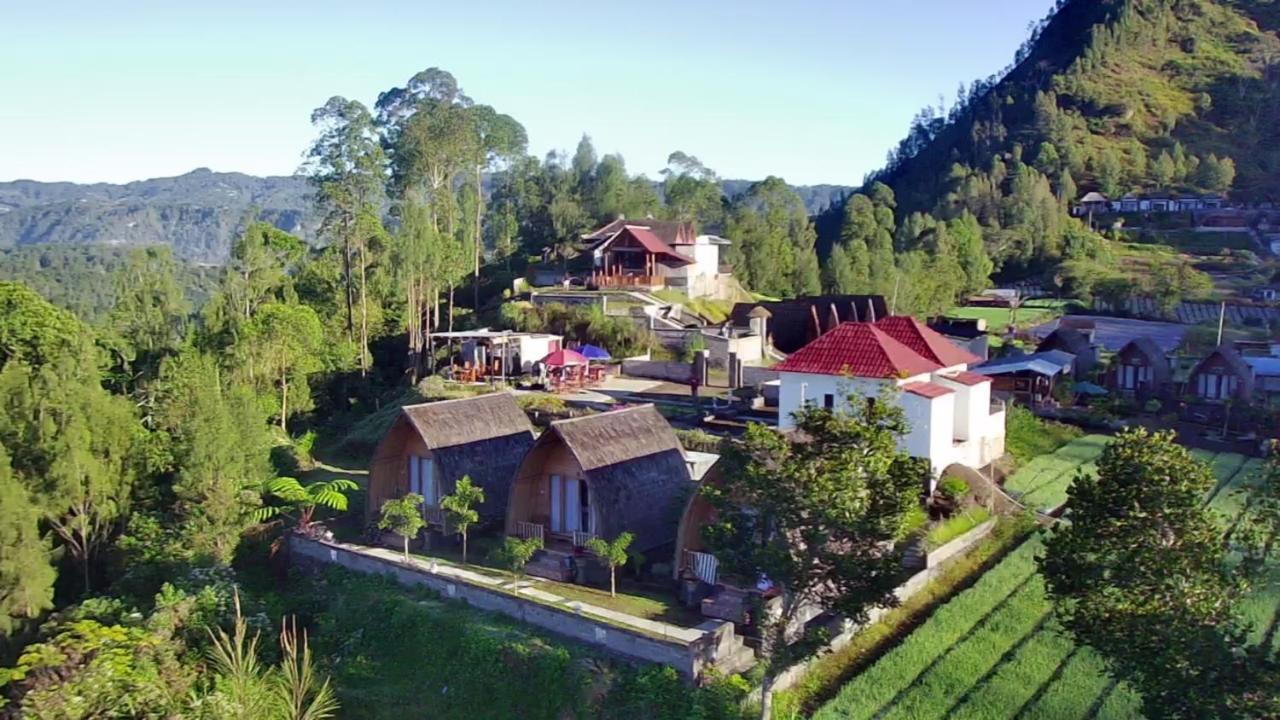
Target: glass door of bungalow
570,505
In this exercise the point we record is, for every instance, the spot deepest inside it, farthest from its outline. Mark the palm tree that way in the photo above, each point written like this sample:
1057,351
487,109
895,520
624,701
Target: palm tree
303,500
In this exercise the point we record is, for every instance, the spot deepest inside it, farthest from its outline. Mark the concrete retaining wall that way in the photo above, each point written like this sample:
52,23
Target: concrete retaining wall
688,658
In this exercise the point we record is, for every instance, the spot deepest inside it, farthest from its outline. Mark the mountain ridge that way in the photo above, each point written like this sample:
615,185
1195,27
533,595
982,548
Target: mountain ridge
197,213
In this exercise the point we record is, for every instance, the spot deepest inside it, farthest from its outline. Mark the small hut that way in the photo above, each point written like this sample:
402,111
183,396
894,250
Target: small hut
1140,369
601,475
430,447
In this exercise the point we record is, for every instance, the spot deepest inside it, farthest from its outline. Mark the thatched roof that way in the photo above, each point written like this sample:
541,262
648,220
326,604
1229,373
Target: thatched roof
457,422
796,323
483,437
637,471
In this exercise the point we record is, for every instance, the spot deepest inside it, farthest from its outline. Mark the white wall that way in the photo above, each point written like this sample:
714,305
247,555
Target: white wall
932,421
800,387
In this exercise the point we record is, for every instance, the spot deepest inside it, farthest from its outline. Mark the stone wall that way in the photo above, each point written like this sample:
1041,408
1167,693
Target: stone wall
658,370
715,640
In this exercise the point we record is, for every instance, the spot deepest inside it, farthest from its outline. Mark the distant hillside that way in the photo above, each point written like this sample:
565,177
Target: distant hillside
197,214
1119,96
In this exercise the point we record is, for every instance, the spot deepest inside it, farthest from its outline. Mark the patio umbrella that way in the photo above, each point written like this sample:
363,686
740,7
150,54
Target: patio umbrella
591,352
564,358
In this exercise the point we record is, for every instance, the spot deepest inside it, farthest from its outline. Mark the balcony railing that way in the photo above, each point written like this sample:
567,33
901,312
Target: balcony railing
580,538
704,566
602,280
526,530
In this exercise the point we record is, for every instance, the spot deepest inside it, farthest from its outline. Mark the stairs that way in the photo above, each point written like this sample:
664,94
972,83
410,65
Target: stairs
551,565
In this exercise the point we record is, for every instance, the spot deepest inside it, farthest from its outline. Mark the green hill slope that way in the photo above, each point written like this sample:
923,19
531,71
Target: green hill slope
1115,95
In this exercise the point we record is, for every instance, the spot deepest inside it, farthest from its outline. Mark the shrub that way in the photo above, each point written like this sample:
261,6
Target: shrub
954,488
1027,436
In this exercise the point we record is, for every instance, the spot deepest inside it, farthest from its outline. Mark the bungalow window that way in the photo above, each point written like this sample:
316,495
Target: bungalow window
422,480
829,401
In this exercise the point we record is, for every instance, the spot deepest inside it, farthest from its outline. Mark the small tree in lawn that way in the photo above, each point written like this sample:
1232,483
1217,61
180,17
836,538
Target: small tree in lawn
460,506
816,515
515,554
403,516
614,554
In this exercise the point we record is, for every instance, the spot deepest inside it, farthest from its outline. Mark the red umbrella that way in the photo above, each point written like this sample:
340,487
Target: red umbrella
564,358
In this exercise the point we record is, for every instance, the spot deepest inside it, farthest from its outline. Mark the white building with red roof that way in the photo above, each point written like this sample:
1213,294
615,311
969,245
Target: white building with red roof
952,417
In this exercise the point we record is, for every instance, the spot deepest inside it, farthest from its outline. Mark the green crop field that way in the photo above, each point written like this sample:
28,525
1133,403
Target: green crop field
1042,484
994,652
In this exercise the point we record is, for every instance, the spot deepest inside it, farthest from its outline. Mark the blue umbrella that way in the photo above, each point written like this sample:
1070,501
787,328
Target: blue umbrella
591,352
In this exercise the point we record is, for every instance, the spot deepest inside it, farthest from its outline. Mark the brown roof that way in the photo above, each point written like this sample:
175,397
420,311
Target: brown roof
484,438
448,423
670,232
653,244
636,470
613,437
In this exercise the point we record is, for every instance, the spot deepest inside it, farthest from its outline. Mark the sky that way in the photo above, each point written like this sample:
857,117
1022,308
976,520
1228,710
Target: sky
812,91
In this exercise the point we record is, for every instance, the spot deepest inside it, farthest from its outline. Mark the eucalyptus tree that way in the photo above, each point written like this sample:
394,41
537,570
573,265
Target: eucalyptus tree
499,141
346,165
282,345
692,191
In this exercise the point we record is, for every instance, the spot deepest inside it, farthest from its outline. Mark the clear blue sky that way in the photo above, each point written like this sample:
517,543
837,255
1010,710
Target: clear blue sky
814,91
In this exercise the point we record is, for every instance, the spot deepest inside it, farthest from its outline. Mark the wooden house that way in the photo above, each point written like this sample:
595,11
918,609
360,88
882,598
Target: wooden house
1028,379
430,447
599,476
1221,376
1076,341
1140,369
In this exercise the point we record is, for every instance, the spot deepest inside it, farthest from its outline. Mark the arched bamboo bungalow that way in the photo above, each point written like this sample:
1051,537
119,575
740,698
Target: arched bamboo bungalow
431,446
693,559
601,475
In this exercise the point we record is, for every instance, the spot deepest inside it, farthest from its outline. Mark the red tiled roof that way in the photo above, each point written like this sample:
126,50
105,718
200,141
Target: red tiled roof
968,378
928,343
653,244
857,350
927,389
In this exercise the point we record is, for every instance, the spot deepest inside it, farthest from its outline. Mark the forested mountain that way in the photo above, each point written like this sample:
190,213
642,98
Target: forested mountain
1113,95
199,213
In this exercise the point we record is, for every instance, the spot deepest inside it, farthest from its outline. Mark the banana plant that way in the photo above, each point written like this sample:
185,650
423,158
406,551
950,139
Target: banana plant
299,502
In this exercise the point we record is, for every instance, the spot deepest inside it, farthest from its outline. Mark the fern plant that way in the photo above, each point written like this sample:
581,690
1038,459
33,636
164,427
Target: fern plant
299,502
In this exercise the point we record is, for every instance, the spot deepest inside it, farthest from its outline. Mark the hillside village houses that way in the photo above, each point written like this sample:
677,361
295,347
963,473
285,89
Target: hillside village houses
1160,202
949,408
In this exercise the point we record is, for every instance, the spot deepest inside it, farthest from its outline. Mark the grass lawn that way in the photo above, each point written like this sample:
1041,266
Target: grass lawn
633,598
1032,312
952,528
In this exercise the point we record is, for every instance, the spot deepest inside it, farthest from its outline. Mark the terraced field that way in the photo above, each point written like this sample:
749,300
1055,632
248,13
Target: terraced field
994,652
1042,484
